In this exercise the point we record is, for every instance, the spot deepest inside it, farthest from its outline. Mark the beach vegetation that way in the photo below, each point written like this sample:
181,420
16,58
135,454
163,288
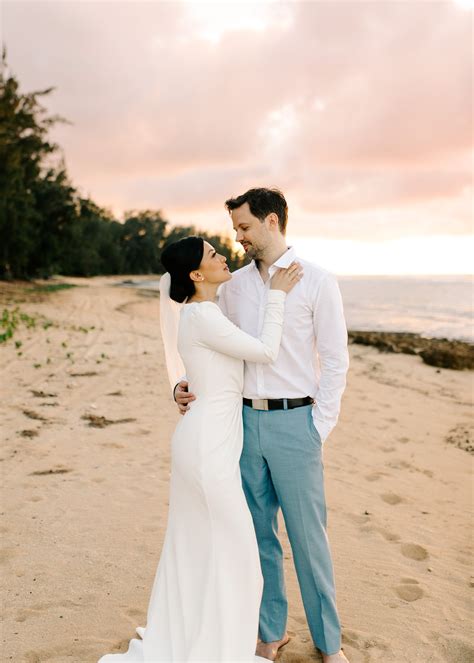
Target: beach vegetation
47,226
52,287
12,318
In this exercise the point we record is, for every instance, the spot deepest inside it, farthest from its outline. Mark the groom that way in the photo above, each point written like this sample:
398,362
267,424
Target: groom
290,407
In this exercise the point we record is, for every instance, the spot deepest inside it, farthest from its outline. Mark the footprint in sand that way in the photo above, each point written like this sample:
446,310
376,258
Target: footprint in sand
7,554
72,652
289,656
414,551
24,613
367,644
409,592
135,613
399,465
374,476
455,650
389,536
358,519
391,498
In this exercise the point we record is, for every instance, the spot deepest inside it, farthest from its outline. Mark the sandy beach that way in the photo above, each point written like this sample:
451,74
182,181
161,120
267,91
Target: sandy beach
87,417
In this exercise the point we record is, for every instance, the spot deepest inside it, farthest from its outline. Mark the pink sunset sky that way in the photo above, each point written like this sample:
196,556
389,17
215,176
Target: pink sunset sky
361,112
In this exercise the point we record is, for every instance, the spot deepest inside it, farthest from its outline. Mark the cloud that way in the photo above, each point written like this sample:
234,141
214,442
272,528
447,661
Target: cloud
356,110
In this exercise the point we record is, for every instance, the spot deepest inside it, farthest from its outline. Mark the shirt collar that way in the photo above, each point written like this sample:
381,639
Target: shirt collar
286,259
283,261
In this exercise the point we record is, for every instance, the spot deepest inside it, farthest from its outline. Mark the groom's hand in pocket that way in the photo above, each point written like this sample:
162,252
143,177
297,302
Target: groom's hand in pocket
183,397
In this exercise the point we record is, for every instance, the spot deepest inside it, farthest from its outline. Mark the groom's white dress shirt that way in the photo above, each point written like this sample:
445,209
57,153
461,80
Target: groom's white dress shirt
313,357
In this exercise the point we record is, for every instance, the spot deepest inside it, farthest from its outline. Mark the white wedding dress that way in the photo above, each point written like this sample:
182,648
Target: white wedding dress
205,600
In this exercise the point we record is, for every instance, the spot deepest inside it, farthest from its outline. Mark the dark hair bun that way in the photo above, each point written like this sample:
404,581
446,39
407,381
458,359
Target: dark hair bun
179,259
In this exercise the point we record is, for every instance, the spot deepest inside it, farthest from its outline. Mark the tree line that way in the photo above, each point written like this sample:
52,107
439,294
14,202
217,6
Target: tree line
47,227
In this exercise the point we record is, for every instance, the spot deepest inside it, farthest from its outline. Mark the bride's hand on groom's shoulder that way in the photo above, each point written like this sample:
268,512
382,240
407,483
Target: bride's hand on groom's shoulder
183,397
286,278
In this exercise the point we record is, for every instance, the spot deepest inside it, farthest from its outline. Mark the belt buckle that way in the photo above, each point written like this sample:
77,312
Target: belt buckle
260,403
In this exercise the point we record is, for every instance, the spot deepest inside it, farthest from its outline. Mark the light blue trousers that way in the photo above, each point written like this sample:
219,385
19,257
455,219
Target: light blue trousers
281,466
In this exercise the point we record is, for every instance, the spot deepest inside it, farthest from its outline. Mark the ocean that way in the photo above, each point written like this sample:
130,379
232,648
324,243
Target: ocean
433,306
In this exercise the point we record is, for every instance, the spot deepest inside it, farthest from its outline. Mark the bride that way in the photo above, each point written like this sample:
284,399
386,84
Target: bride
205,599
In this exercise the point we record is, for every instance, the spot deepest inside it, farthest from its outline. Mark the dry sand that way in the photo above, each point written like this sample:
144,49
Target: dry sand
84,507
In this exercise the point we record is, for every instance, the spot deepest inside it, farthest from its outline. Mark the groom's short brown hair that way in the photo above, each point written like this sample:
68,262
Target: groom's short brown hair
263,202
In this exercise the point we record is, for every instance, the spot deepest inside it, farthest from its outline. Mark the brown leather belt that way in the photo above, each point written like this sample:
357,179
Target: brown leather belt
277,403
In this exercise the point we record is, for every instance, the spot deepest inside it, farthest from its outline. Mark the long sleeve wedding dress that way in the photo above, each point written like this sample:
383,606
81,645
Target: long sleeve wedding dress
206,595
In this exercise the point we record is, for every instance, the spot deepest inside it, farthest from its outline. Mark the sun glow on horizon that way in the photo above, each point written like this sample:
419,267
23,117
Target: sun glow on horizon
464,4
405,256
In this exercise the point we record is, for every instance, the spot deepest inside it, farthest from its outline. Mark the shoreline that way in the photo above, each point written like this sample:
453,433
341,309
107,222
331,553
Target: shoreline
440,352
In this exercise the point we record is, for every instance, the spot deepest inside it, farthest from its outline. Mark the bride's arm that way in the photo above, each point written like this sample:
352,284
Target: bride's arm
217,332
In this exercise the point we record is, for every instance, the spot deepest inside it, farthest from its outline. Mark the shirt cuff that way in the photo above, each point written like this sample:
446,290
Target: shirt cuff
276,296
321,426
